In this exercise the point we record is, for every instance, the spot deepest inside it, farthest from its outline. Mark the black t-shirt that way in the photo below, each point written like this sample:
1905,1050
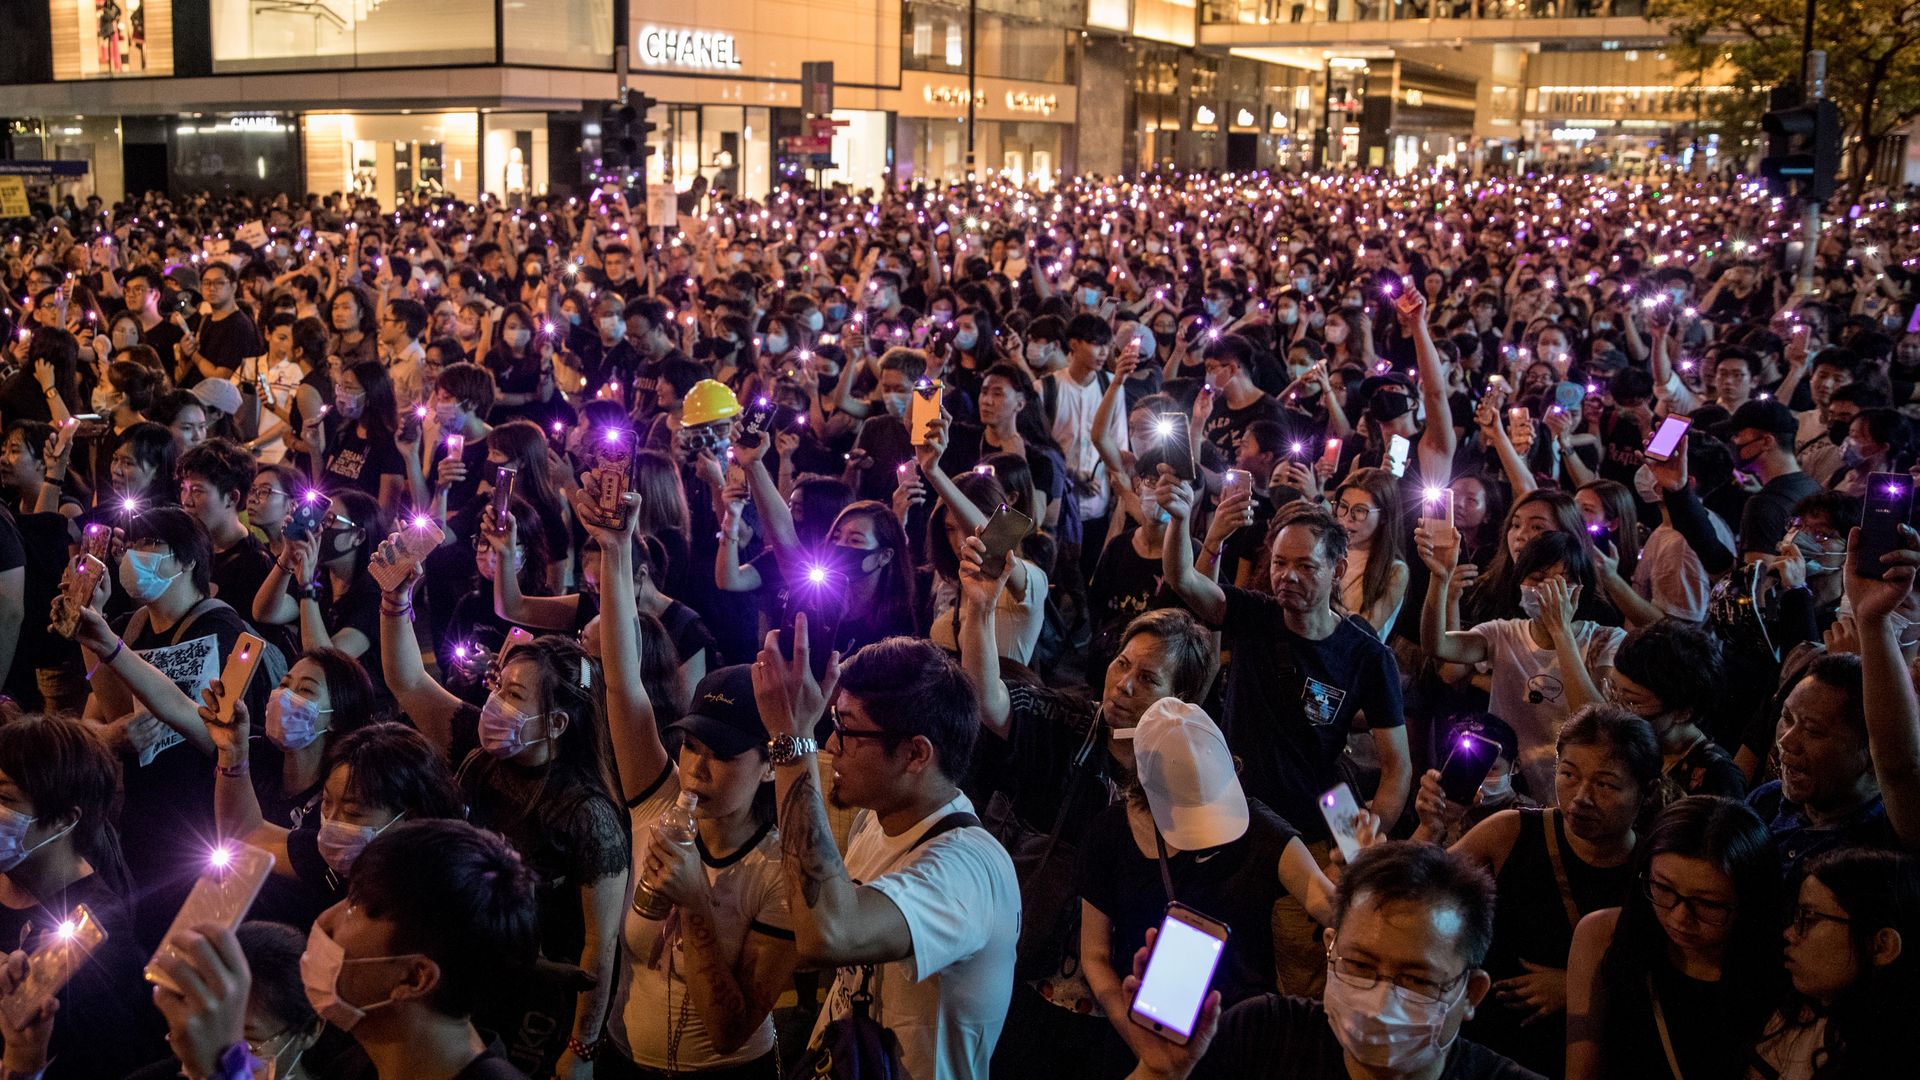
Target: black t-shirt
228,342
1226,425
1236,883
107,1023
357,609
1289,1038
1124,584
22,398
356,461
688,631
161,338
1290,702
239,571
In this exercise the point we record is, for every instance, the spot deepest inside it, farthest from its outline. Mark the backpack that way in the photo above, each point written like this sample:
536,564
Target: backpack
856,1047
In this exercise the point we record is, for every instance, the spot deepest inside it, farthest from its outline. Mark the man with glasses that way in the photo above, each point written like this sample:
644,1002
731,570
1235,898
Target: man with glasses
923,912
1411,926
1761,437
401,328
224,337
1670,675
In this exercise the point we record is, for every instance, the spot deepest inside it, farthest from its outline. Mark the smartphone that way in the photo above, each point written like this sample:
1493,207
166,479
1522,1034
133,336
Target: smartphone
1889,505
307,515
1002,533
1331,453
502,494
925,408
1179,973
755,421
1668,438
1436,504
1172,444
1342,813
97,541
52,958
1519,416
1234,483
1913,324
221,895
613,462
410,421
63,435
1397,450
238,672
410,547
1468,764
456,446
76,588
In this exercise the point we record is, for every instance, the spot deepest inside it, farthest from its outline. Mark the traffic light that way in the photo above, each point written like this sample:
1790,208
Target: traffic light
624,130
1803,149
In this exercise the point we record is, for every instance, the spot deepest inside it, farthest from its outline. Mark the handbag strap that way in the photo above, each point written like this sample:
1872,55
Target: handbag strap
1077,771
1166,875
1660,1025
1550,821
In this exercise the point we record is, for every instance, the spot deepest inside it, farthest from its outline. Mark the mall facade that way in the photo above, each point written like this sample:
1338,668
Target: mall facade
501,97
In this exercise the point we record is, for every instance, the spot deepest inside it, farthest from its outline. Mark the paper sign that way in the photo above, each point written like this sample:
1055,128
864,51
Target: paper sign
13,197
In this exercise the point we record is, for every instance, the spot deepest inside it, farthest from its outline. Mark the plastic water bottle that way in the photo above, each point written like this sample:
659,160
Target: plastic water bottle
677,826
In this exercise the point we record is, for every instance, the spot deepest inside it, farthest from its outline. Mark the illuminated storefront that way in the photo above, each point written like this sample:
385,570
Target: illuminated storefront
386,156
110,39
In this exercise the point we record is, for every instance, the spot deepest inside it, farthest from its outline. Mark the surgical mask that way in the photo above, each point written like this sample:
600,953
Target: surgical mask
1289,316
612,326
503,728
140,575
1090,297
1851,455
735,258
445,412
105,400
1818,559
1530,601
1678,295
1155,247
517,339
1336,334
1304,284
896,403
13,837
1905,630
573,318
1496,788
340,843
293,721
1037,355
1216,308
967,339
815,321
836,312
1647,486
1384,1028
776,343
320,967
349,405
1553,352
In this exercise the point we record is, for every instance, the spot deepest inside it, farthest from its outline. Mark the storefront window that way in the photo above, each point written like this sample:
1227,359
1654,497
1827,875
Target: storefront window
249,35
516,156
559,33
934,38
386,156
110,39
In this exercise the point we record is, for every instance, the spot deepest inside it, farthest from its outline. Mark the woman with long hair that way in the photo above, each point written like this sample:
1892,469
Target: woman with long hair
1012,422
356,338
59,850
522,364
361,452
1678,980
1021,607
322,584
1479,511
1855,968
522,446
1369,508
1495,593
1612,517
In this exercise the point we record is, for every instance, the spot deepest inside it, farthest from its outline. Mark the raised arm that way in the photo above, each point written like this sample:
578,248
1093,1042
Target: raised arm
1893,715
1198,591
236,806
422,700
537,612
638,752
1439,547
151,688
1437,441
979,650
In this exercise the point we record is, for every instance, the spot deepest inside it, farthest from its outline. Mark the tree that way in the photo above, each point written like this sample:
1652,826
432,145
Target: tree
1873,55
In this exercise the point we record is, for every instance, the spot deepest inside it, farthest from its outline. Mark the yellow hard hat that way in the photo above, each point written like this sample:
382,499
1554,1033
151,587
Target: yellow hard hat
706,402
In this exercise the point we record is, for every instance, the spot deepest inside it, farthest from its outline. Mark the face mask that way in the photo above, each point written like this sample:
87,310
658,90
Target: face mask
445,412
776,343
503,729
854,559
1037,356
815,320
1819,560
434,282
340,843
1384,1028
1494,789
836,312
1304,284
612,326
140,575
1552,352
1351,303
320,968
126,340
517,339
1851,456
1216,309
1166,340
1602,326
1336,334
1090,298
1289,316
349,405
1646,486
1530,601
13,838
896,403
1905,631
293,721
105,401
967,339
1677,296
573,318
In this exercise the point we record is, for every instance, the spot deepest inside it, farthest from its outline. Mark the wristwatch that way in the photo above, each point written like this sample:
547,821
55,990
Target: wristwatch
788,749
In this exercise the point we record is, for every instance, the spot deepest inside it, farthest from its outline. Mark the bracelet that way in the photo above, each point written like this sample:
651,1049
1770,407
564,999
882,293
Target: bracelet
404,611
233,770
118,645
308,591
585,1051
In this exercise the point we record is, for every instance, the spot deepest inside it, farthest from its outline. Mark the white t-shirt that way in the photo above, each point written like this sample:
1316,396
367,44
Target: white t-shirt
749,897
945,1002
1669,573
1524,671
1016,621
1073,432
283,378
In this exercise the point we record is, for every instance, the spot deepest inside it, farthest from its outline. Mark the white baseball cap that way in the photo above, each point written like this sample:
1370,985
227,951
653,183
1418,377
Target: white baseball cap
1188,775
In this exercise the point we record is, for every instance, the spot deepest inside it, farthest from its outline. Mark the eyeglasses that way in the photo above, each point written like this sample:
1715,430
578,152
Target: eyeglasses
1356,511
265,493
1362,975
1645,709
1666,898
1804,918
890,739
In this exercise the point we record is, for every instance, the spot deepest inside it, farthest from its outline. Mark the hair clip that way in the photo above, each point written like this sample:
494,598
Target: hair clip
586,673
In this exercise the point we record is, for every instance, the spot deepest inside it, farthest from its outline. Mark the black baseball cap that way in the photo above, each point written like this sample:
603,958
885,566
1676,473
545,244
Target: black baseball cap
1769,416
724,716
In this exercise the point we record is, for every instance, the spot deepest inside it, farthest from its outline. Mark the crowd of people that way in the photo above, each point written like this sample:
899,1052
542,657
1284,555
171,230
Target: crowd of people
879,618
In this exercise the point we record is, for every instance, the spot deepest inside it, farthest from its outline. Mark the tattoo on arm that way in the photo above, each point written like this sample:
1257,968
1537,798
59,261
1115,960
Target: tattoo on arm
806,840
716,990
